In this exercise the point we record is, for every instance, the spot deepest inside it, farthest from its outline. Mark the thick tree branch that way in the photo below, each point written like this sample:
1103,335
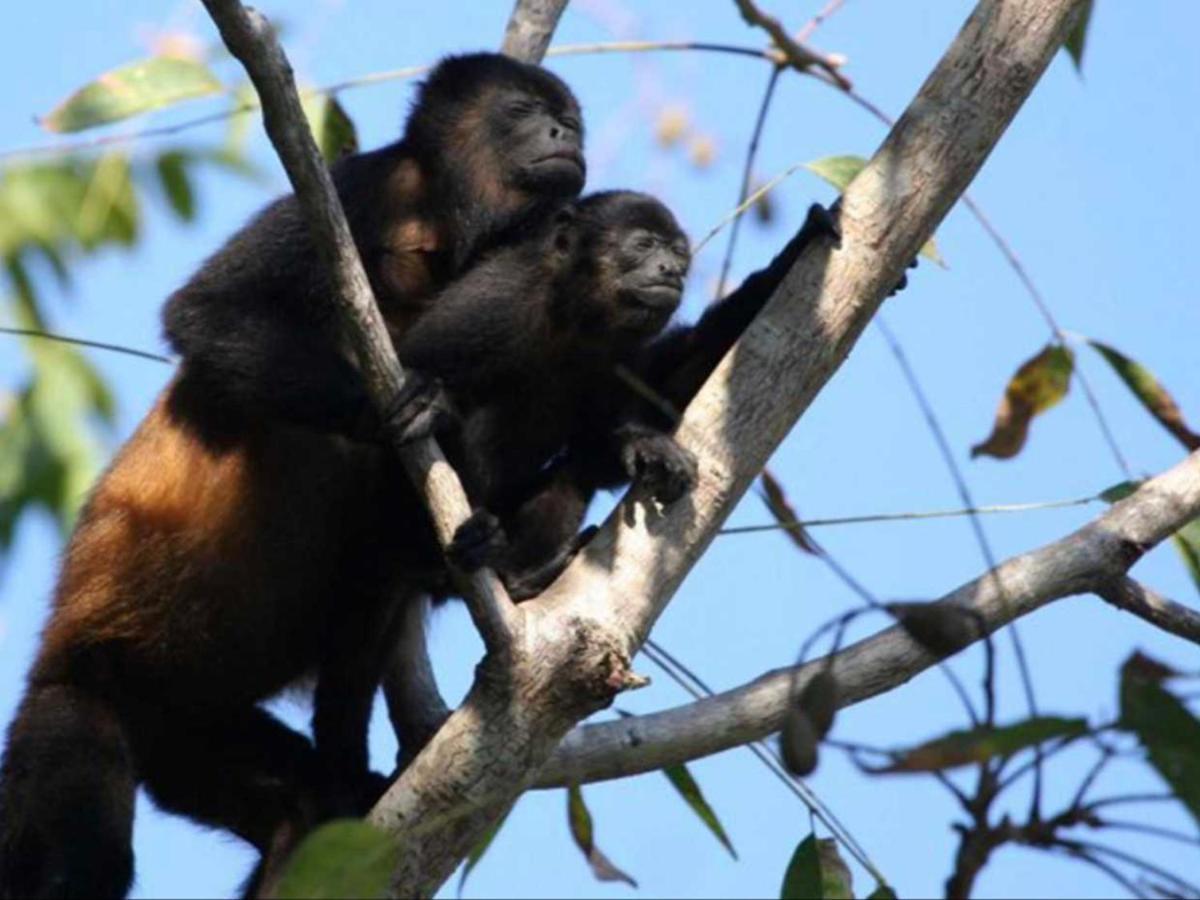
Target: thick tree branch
576,640
250,38
1094,558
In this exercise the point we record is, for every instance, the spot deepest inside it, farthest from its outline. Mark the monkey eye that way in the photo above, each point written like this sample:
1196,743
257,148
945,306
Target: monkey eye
519,108
644,243
571,122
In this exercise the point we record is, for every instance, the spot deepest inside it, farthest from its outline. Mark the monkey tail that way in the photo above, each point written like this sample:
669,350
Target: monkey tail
67,786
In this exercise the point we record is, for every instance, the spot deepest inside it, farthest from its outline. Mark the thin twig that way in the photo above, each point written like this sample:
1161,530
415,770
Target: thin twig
1099,864
799,56
70,147
1153,830
84,342
994,509
1010,255
985,547
1134,597
747,171
697,688
818,20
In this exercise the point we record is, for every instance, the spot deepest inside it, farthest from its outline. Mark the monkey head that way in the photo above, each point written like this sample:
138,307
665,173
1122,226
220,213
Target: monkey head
507,133
630,260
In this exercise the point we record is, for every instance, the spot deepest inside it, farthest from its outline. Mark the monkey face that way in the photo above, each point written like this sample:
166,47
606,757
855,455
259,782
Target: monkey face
542,141
512,131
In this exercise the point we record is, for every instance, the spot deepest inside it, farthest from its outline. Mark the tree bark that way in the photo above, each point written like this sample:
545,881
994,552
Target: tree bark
1094,558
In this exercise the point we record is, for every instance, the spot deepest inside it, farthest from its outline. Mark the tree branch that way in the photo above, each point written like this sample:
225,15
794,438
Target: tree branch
576,640
796,54
1094,558
530,28
250,38
1132,596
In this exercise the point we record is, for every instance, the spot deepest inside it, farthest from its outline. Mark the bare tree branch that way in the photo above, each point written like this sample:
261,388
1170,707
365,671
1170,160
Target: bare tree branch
574,643
1136,598
530,28
1094,558
250,38
796,54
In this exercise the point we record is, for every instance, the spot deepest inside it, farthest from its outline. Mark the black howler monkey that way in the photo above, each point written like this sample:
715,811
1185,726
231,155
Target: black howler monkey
608,387
209,568
528,343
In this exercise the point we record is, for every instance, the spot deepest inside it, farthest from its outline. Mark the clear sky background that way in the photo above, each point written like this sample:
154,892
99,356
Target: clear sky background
1096,184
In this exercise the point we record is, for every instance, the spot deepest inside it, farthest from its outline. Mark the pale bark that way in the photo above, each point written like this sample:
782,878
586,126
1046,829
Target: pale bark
1092,559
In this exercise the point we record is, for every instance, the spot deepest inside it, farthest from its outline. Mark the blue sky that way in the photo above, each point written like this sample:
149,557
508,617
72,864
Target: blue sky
1095,185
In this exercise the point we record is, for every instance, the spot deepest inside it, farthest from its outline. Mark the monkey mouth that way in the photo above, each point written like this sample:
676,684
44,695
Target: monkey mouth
663,294
571,156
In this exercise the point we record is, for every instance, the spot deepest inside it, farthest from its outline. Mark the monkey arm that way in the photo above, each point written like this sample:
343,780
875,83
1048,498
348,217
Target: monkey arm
678,364
477,333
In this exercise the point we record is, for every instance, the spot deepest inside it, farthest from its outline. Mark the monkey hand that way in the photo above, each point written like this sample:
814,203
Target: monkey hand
821,220
421,409
665,469
479,541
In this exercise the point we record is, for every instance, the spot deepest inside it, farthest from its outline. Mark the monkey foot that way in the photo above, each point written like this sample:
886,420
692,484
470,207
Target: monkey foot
661,466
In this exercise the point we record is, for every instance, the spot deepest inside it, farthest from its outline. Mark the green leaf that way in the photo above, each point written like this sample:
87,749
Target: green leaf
1164,726
49,453
172,175
477,853
132,89
331,126
1119,491
1158,402
1077,38
837,170
1040,383
347,858
1187,542
817,872
882,892
580,820
841,170
983,743
682,780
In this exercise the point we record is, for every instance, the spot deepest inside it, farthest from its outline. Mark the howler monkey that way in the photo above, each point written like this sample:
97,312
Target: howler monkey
209,568
529,344
626,396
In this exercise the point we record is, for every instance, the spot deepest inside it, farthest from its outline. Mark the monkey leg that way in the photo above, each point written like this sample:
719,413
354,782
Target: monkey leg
361,640
66,798
240,769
